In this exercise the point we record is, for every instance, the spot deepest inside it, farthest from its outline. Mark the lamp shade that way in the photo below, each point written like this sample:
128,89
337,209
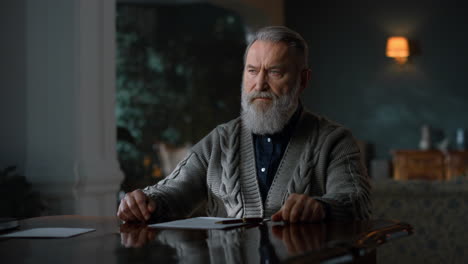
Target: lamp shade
397,47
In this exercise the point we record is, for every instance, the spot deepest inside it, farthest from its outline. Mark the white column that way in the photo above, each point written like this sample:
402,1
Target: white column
71,133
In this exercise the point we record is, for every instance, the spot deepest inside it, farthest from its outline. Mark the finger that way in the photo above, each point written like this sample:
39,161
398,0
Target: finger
278,216
141,200
319,212
151,206
125,212
297,208
287,207
120,215
133,206
308,211
120,212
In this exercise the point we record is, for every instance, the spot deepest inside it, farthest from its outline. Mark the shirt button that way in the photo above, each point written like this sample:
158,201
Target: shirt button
262,169
269,139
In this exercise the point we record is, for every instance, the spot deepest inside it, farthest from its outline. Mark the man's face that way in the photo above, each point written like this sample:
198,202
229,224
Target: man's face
272,82
272,68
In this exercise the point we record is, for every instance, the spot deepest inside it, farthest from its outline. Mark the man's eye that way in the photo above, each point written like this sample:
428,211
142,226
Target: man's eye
252,71
275,73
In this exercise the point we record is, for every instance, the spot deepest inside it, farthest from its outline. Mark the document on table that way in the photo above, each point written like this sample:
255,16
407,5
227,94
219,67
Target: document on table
199,223
49,232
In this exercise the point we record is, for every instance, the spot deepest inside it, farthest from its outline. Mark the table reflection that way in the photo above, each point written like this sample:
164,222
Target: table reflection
264,243
301,238
136,235
113,242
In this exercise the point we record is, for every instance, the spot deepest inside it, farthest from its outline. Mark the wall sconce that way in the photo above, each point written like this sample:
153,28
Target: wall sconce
398,48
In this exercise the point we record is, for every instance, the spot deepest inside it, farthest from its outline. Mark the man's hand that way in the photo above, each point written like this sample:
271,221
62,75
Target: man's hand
300,208
136,206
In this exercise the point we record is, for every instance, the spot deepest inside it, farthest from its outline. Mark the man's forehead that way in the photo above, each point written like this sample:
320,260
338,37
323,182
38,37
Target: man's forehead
267,51
261,47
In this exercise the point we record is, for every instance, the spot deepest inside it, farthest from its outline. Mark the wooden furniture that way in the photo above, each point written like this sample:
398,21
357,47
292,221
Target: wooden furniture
414,164
429,165
113,242
456,164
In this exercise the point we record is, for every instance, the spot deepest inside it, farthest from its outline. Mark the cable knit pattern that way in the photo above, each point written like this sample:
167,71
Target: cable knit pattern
300,182
302,177
322,160
230,186
177,170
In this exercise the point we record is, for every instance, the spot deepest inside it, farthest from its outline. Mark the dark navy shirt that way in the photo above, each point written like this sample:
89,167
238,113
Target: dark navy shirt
269,150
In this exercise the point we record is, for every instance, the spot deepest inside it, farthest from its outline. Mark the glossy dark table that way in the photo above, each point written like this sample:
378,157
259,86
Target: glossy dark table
114,242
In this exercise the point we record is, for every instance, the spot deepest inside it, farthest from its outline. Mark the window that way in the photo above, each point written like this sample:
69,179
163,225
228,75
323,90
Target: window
179,70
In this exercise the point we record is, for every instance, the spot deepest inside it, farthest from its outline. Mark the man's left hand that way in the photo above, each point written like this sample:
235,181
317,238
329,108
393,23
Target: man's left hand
300,208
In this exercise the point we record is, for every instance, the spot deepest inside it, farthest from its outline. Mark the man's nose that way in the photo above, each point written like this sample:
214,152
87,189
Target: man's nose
262,82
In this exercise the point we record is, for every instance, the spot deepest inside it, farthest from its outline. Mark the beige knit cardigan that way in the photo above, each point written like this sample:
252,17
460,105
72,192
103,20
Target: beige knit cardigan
322,160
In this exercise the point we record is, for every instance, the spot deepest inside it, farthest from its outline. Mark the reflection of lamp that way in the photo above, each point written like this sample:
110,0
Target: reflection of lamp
398,48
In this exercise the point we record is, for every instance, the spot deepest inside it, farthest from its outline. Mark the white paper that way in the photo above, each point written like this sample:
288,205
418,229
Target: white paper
198,223
50,232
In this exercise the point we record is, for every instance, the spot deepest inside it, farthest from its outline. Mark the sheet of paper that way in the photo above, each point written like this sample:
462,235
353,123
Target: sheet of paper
49,232
198,223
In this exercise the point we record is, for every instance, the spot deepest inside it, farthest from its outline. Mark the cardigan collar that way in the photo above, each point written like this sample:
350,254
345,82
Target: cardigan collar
250,191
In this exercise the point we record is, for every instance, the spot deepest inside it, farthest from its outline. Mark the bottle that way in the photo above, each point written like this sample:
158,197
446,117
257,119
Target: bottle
425,143
460,139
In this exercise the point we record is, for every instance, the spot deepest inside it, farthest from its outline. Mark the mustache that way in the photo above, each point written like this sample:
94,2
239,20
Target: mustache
260,94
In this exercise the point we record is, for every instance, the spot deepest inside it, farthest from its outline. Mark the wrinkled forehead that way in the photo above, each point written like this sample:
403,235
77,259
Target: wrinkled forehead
268,53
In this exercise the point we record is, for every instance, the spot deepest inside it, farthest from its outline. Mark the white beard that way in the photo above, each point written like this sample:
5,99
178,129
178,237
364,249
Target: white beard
268,118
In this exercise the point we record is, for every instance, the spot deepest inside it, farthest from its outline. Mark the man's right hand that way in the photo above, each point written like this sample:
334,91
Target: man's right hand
136,206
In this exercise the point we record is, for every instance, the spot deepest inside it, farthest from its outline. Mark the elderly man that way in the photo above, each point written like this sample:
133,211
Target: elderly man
276,160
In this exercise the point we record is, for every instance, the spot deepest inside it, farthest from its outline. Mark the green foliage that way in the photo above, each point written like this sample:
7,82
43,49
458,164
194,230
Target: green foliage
16,196
178,75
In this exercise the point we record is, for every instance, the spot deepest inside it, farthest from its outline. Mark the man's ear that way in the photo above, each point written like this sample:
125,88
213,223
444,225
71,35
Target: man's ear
305,78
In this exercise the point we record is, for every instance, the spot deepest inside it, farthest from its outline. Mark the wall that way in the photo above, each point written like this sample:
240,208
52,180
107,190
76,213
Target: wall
254,13
355,84
12,84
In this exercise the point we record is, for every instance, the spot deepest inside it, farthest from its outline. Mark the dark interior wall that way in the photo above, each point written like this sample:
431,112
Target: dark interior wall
12,83
354,83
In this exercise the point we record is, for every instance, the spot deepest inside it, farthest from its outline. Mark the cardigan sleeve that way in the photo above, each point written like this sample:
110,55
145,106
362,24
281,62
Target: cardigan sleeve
180,193
184,191
346,186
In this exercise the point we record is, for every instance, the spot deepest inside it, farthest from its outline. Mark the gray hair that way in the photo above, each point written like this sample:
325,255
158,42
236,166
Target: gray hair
282,34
